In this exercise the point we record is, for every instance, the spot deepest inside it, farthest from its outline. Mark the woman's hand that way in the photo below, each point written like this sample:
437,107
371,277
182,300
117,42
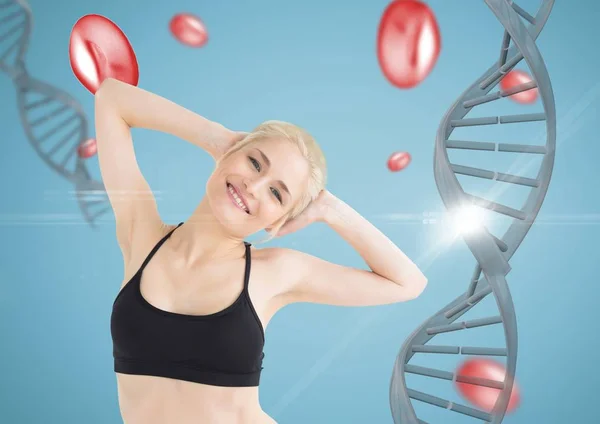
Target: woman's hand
226,140
234,138
316,211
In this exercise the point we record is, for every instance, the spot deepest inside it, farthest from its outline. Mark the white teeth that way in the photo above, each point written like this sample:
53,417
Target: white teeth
237,198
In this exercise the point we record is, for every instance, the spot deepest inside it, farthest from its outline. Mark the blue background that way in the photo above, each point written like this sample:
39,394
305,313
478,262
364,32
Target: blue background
312,63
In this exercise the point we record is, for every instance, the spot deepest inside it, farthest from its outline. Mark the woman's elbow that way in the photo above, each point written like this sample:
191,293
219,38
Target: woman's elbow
106,92
107,85
105,102
423,284
418,287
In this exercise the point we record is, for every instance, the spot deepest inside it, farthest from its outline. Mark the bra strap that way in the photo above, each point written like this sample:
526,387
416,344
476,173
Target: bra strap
157,246
248,263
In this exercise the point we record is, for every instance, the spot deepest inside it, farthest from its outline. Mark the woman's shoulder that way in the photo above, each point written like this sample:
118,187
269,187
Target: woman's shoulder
274,255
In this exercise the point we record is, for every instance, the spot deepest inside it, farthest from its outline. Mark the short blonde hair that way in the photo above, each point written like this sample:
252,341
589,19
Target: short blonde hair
309,149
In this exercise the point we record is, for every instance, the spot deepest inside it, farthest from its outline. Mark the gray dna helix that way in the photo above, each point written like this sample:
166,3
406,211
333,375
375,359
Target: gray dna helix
53,121
492,253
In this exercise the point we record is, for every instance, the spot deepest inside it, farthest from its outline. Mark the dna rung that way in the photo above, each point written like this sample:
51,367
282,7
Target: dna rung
492,253
442,403
499,147
493,175
464,324
465,350
500,94
53,121
491,120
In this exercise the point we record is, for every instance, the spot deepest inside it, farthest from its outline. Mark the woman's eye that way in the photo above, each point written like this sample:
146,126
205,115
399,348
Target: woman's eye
277,194
255,163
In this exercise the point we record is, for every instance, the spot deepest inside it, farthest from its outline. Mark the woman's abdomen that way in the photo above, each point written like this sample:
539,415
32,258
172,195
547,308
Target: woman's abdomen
157,400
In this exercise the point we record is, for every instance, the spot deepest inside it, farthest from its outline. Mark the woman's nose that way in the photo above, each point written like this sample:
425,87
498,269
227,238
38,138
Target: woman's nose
253,186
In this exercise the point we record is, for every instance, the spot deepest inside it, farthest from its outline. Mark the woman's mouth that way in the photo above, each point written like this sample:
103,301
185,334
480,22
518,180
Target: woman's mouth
237,199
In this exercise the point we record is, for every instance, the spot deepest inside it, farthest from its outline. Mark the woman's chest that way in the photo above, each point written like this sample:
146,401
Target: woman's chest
206,290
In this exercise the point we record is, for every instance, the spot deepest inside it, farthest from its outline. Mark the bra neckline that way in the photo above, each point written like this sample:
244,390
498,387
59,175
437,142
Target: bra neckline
138,284
138,292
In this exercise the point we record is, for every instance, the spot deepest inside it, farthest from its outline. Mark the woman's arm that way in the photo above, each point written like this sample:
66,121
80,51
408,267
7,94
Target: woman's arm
118,107
141,109
379,252
393,276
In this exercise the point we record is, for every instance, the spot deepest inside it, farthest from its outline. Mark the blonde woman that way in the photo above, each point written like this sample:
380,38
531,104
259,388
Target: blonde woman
188,323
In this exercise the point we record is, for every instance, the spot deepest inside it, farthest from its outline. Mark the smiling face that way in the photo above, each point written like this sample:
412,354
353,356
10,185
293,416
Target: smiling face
258,185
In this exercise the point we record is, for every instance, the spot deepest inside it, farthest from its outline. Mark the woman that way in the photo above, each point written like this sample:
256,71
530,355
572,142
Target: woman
188,323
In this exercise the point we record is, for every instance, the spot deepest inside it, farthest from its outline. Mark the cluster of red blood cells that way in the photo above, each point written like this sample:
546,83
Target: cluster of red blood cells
98,49
408,46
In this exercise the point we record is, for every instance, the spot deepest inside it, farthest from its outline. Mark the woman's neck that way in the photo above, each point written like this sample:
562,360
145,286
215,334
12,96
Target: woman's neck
202,238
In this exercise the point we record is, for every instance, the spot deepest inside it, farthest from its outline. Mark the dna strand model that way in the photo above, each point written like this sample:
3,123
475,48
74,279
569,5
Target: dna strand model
53,121
491,253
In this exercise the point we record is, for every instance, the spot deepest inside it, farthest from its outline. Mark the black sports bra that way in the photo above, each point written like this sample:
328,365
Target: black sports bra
220,349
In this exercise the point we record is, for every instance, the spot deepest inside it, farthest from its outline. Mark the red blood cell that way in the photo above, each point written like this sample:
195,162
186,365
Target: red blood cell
515,78
481,396
87,149
408,42
98,49
188,29
398,161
